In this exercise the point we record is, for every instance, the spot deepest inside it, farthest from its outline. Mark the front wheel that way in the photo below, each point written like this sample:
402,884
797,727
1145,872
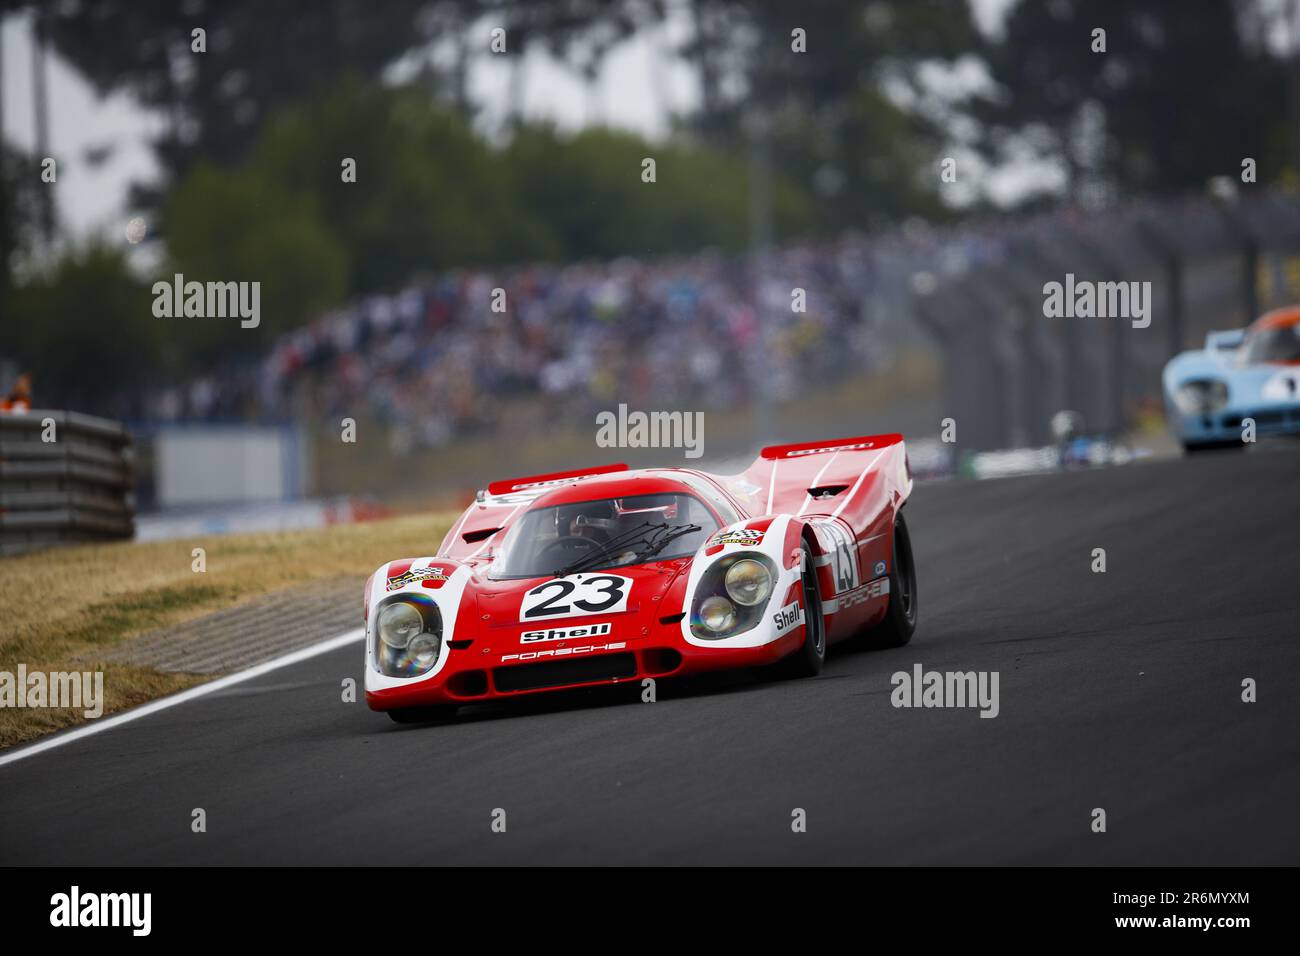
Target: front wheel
422,715
899,623
807,661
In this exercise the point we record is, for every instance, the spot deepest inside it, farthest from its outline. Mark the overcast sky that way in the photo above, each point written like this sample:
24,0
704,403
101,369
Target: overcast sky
639,87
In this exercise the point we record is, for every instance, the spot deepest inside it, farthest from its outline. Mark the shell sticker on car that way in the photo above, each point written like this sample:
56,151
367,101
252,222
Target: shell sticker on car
576,596
788,618
601,629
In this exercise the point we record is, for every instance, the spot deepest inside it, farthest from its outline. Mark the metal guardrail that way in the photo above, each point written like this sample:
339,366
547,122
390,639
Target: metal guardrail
76,487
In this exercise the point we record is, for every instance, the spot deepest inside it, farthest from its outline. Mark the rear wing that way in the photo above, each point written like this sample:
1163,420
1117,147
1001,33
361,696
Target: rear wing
830,447
820,476
539,483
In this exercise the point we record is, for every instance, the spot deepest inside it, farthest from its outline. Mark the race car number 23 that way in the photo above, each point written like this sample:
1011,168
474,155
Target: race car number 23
563,597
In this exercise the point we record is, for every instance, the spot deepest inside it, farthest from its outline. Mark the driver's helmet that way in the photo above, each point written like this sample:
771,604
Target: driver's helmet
596,523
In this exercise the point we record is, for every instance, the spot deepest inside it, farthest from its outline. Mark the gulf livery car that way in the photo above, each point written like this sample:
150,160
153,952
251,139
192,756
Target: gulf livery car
1251,373
592,577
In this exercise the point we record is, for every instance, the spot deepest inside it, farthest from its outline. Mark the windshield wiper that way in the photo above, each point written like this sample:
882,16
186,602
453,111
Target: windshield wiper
668,535
656,539
603,550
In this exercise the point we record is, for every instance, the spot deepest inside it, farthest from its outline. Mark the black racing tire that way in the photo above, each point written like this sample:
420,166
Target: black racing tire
808,660
899,623
1231,444
436,714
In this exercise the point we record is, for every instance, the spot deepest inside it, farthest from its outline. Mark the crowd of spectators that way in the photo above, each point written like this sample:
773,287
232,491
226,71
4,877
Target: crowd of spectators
510,352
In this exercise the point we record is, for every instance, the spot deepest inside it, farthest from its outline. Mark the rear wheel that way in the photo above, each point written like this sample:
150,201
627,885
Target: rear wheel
900,619
423,715
808,660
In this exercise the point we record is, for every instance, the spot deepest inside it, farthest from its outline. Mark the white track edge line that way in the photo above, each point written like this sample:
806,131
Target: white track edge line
164,703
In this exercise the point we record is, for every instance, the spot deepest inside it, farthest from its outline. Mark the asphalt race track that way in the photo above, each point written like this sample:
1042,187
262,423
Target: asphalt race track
1119,690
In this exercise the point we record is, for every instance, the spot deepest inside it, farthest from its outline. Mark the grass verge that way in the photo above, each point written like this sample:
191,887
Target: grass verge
61,607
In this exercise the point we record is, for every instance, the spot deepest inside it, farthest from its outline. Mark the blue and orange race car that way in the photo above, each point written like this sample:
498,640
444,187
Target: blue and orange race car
1252,375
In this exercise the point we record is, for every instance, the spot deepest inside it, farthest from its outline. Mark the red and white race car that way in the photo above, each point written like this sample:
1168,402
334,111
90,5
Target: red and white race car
602,575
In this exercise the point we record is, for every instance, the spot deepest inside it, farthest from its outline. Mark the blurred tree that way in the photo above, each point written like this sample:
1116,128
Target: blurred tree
827,82
259,56
238,225
580,33
264,56
428,193
1176,98
587,190
20,213
1274,25
84,328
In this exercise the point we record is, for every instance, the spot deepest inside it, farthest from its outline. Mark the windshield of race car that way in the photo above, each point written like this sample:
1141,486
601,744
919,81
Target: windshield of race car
1281,343
605,533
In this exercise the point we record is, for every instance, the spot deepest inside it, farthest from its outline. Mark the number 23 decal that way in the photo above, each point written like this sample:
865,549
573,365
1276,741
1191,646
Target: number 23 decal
563,597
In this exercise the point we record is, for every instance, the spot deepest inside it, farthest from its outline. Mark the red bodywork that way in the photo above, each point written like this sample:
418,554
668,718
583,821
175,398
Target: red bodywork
857,486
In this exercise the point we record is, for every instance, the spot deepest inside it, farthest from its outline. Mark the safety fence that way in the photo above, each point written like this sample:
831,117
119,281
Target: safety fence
1009,366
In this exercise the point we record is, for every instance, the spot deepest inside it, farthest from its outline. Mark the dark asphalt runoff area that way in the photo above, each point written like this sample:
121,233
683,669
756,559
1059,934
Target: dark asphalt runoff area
1120,691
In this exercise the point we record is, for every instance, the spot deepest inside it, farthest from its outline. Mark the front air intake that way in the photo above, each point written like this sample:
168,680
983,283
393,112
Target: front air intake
582,670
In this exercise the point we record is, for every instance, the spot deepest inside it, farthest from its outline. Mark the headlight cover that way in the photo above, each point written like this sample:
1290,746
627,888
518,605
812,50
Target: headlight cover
731,596
717,613
1201,395
398,623
748,582
408,636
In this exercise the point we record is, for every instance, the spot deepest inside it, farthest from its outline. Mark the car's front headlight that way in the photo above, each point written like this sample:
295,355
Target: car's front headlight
410,636
1201,395
398,623
717,613
748,582
731,595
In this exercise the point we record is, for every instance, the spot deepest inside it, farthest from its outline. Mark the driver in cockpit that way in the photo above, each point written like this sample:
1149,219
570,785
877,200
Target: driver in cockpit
594,526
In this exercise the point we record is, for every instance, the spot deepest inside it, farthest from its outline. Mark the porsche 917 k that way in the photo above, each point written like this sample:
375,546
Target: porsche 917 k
606,575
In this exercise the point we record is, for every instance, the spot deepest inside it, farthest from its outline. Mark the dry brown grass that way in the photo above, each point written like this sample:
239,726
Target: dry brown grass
59,608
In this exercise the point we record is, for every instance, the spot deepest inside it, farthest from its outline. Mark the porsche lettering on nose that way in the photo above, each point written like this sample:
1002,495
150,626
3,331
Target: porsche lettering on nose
562,651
